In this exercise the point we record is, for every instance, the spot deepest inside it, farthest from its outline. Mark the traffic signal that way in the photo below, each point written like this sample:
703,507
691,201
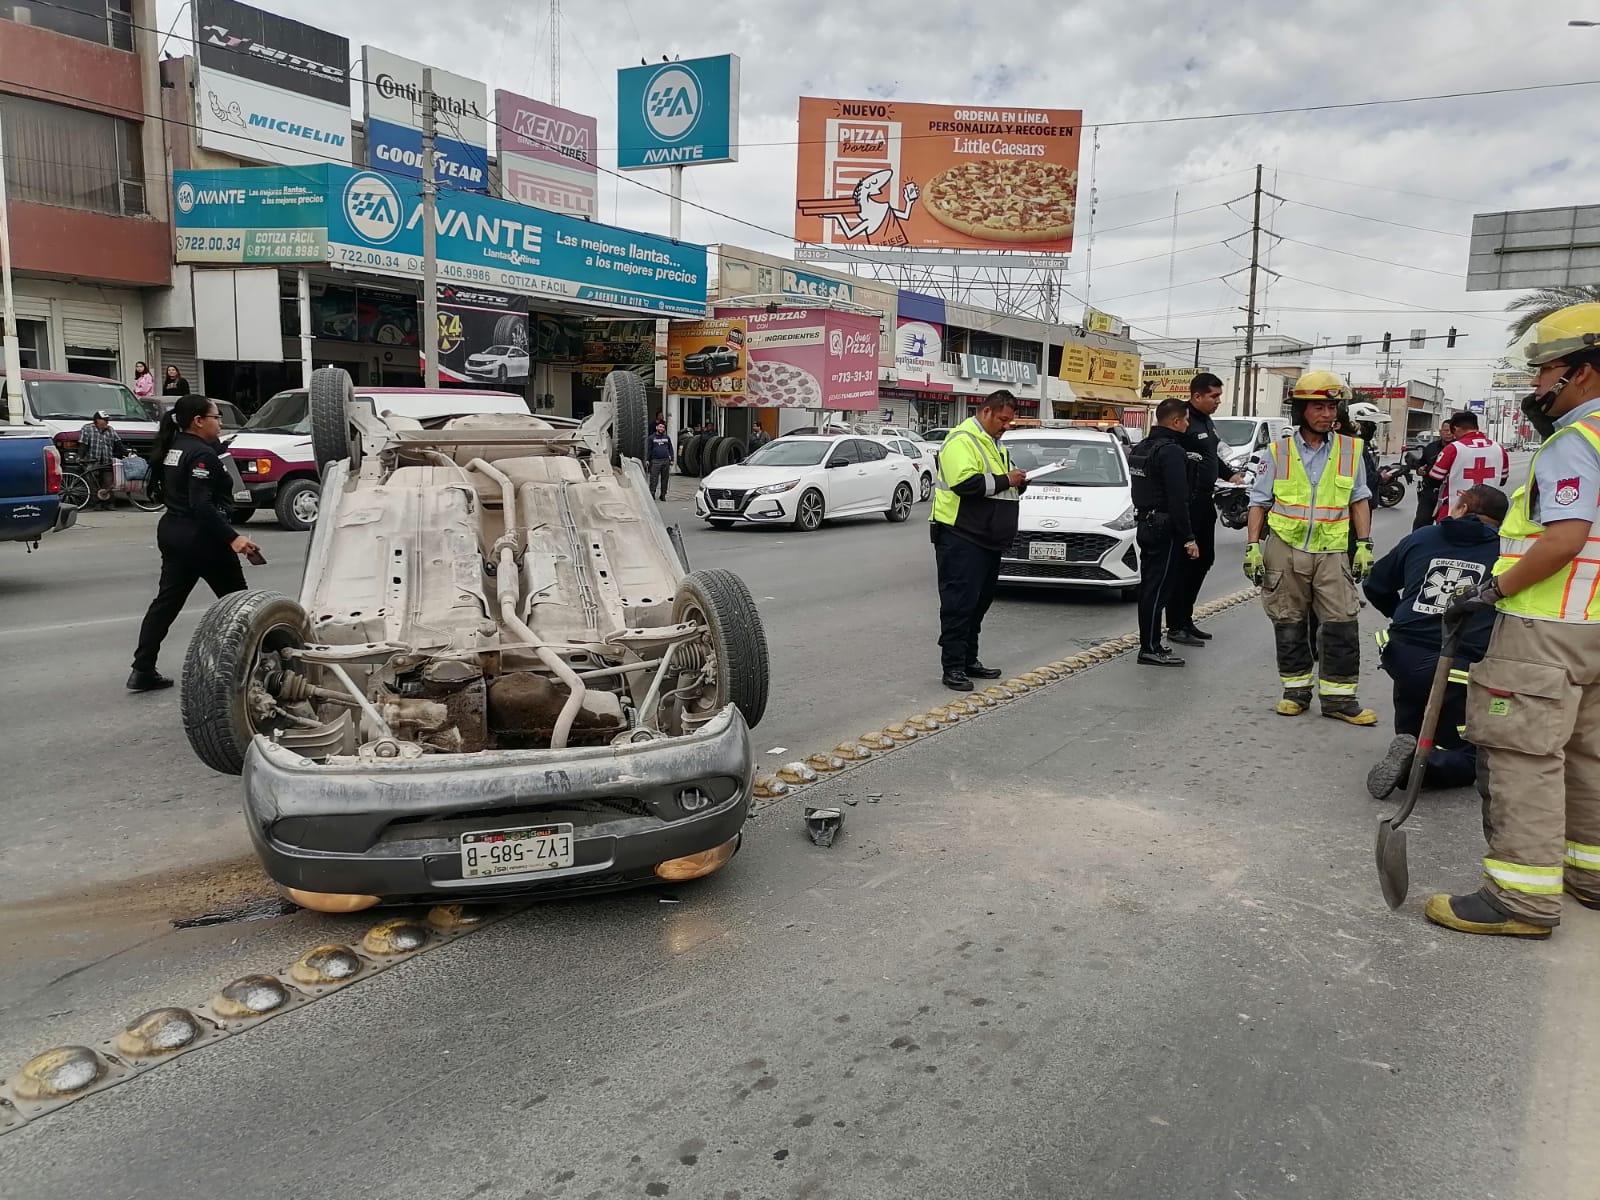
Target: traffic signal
1386,343
1450,339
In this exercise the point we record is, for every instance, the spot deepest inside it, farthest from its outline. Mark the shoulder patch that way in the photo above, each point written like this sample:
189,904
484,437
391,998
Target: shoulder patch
1567,492
200,471
173,458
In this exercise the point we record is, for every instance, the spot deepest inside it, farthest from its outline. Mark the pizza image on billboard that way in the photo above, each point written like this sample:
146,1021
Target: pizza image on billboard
873,173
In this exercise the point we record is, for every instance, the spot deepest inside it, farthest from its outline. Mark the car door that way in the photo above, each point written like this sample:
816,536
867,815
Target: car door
846,476
882,471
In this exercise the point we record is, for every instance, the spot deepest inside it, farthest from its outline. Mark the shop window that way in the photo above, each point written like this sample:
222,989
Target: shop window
104,22
72,157
34,340
92,360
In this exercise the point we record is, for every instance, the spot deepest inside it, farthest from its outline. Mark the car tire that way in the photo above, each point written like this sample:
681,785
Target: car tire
331,394
693,454
507,328
298,503
810,511
708,452
684,440
900,505
729,452
232,636
737,637
630,416
500,374
927,486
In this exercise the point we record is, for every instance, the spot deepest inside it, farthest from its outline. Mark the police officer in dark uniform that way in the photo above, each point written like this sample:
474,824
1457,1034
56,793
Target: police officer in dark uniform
1163,479
194,536
1205,395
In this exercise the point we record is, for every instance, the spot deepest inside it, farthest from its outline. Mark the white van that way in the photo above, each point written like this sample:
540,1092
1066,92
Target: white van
1243,437
1076,527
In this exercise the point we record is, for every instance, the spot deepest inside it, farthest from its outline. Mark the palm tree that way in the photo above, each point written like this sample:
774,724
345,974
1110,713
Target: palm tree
1536,305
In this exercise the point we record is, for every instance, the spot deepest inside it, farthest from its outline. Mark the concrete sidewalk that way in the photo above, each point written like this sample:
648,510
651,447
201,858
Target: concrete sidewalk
1121,938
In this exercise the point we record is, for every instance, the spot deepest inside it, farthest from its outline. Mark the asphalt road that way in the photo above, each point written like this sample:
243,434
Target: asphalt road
1113,941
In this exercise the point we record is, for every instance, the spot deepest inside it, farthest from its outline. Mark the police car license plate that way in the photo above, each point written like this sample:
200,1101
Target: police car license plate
723,505
489,852
1047,551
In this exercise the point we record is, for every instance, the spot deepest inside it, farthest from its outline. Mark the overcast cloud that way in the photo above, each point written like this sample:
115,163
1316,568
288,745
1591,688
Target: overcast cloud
1428,164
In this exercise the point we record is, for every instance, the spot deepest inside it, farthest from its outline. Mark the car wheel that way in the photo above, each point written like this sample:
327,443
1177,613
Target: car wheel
507,329
721,524
232,661
720,600
297,504
808,515
331,441
900,506
500,373
630,416
927,486
694,455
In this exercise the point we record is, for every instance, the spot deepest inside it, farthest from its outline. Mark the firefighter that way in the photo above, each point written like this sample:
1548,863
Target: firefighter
1301,516
1533,703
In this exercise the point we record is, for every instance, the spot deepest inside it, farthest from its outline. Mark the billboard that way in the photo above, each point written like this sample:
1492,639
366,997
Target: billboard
547,155
919,356
1165,383
678,113
1092,364
1512,381
814,358
393,94
1534,248
707,358
873,173
268,88
483,335
372,222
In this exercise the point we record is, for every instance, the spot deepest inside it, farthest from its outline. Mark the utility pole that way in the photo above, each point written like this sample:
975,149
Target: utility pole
1250,312
8,331
555,51
1094,204
430,253
1172,263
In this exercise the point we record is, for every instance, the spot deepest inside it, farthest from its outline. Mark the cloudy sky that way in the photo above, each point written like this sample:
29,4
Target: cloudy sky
1397,183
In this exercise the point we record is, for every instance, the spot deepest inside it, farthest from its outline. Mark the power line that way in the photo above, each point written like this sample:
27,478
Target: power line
1378,220
1367,257
1452,312
1372,187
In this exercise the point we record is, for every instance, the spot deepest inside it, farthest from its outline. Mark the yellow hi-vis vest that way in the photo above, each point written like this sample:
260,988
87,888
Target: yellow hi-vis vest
967,451
1314,518
1572,594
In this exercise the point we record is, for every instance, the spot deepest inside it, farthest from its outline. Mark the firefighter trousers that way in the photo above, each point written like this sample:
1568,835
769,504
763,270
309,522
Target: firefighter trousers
1533,710
1299,584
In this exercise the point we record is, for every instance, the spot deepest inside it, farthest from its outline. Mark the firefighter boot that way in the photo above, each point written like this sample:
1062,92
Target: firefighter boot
1394,766
1474,914
1349,711
1295,701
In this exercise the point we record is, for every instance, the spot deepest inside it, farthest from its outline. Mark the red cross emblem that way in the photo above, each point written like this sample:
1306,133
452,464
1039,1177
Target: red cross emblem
1480,471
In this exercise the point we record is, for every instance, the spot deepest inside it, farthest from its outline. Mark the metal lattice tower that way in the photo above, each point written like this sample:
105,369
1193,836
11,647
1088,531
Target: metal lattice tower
555,51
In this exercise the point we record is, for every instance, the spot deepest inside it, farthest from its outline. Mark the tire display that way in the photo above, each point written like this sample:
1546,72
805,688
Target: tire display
685,440
630,416
331,440
693,453
723,601
729,452
236,644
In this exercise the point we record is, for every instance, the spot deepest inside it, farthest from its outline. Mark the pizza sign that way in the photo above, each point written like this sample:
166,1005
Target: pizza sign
807,358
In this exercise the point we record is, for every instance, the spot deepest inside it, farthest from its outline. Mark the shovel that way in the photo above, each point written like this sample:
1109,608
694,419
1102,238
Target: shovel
1393,874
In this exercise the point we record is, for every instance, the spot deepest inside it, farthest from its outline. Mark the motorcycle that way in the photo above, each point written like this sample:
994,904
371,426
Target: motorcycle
1232,500
1392,479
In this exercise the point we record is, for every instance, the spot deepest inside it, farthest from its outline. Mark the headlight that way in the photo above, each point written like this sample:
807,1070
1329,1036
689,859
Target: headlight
773,489
1123,522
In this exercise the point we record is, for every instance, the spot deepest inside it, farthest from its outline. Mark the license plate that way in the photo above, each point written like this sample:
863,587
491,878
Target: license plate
1047,551
515,851
723,505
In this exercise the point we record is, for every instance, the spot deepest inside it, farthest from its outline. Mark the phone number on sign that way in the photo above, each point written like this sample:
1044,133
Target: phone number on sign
198,242
855,377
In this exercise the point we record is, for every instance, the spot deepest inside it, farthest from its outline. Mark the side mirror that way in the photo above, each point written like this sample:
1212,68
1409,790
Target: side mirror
838,462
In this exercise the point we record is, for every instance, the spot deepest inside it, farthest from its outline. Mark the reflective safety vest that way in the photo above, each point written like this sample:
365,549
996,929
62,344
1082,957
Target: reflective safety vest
967,451
1572,594
1314,518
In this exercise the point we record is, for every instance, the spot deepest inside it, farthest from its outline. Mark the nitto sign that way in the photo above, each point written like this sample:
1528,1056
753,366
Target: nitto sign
998,370
673,114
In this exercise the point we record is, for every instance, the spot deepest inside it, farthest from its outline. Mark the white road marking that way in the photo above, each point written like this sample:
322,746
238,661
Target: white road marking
30,630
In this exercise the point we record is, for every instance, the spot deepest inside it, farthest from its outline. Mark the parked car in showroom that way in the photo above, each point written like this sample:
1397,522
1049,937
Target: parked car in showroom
712,360
803,481
925,456
1076,526
499,363
274,450
500,676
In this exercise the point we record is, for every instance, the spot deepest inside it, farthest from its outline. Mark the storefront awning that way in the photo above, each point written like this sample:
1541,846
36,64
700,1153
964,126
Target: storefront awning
1107,394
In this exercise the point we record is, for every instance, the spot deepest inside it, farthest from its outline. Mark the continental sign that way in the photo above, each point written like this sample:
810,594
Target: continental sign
929,176
1091,364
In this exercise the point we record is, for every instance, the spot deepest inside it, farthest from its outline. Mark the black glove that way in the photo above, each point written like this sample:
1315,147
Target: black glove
1470,599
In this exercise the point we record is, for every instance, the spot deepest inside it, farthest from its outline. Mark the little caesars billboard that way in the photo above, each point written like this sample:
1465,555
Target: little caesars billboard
394,121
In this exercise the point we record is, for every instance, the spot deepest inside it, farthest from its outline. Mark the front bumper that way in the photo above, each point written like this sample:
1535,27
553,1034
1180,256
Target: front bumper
393,829
263,493
1096,557
775,508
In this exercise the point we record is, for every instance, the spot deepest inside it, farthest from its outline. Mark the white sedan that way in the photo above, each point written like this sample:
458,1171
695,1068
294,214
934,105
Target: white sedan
499,363
925,455
801,481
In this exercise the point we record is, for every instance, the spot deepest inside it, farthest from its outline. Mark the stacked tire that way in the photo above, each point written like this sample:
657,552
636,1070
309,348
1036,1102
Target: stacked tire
702,453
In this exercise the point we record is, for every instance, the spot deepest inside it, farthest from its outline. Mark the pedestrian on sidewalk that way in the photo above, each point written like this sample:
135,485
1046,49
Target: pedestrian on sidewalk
1412,585
175,384
974,519
1301,514
101,446
1427,489
144,383
1533,705
660,460
194,536
1164,475
1472,458
1205,394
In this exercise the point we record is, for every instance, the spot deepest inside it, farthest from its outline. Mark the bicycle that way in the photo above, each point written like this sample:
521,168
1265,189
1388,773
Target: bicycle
127,480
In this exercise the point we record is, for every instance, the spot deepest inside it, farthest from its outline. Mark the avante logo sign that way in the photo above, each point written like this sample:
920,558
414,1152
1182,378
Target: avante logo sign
672,103
373,207
186,197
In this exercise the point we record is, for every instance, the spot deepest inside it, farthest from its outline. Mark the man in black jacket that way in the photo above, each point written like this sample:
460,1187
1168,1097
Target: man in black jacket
1163,481
1427,489
1205,393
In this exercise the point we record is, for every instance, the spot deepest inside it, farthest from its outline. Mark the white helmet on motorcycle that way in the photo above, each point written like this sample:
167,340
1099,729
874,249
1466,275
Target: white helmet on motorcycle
1363,410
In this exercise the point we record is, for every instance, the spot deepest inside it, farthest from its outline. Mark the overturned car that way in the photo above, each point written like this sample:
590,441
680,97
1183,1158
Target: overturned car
500,676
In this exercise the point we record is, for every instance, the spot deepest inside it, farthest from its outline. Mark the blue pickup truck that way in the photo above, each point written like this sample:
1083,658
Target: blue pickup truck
30,486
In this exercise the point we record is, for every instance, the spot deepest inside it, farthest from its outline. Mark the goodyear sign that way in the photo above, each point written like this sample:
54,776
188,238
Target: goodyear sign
678,113
372,222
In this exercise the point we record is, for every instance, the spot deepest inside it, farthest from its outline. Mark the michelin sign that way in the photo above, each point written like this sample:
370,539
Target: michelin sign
372,222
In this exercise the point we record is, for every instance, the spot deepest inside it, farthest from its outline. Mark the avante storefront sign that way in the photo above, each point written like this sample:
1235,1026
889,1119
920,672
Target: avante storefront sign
373,222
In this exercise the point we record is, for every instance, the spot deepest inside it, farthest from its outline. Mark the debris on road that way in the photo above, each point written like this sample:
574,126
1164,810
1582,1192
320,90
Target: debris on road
823,825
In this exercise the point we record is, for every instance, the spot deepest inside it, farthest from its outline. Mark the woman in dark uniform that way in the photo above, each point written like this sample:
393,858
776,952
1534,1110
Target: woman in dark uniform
194,536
